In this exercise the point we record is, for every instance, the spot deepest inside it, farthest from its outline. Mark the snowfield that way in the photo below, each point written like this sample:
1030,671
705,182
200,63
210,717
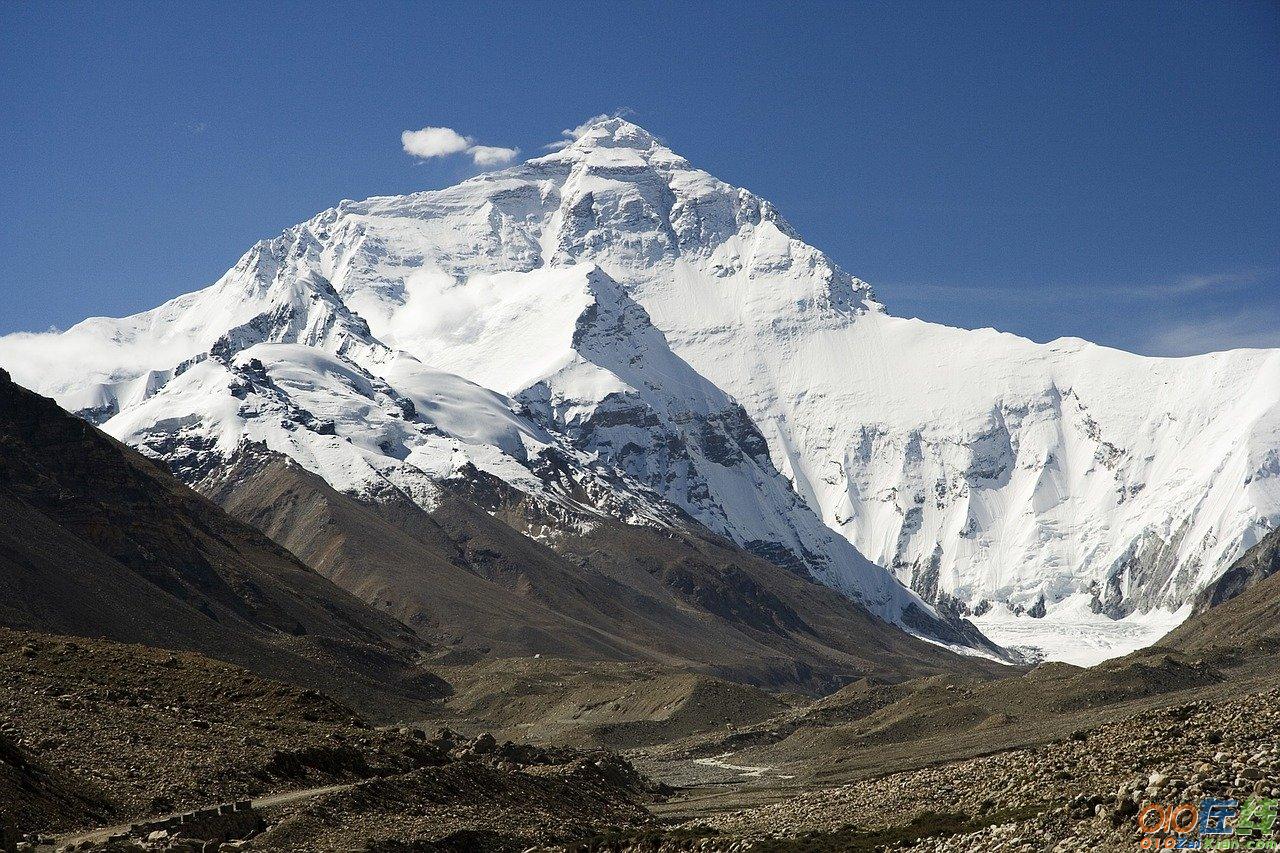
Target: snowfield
676,341
1073,633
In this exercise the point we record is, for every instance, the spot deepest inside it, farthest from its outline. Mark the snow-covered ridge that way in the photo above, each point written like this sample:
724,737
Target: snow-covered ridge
620,304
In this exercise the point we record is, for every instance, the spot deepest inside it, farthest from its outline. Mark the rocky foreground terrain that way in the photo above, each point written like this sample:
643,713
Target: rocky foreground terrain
102,741
1081,793
100,735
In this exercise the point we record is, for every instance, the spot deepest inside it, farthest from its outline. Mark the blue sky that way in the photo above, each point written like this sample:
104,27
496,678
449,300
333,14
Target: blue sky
1104,170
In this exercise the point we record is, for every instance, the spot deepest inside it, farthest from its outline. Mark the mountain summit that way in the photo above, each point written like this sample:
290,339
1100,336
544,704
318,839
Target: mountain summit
613,132
619,334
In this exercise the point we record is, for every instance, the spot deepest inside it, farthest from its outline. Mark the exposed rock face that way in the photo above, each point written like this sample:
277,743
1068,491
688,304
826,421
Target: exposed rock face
33,794
1241,613
1254,566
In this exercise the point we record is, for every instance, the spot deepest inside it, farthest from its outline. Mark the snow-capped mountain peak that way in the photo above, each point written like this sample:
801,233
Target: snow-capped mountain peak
612,132
675,332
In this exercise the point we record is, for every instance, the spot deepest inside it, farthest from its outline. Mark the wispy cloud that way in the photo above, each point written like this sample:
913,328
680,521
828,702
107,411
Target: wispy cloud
1187,314
1192,336
54,359
1182,286
1022,294
1197,283
431,142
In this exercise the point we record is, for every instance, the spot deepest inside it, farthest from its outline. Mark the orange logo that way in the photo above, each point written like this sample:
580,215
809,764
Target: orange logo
1179,819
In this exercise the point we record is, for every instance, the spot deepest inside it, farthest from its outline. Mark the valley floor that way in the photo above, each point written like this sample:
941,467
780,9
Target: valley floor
115,738
1078,793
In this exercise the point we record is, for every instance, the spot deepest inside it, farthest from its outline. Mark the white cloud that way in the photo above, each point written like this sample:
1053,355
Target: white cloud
1201,282
434,142
492,155
54,361
438,307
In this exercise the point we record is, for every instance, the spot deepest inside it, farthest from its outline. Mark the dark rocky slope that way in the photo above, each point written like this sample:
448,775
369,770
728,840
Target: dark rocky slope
98,541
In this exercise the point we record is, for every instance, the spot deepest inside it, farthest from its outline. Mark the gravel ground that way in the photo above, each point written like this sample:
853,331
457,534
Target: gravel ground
153,731
471,805
1080,793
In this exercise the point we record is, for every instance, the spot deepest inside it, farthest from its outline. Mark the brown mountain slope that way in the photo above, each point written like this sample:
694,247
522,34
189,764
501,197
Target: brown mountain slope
33,795
96,540
616,593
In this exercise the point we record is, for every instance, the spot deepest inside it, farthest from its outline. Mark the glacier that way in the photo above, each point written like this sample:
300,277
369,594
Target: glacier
676,345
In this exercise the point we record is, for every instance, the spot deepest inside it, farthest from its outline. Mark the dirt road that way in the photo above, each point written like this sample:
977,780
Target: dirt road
103,833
